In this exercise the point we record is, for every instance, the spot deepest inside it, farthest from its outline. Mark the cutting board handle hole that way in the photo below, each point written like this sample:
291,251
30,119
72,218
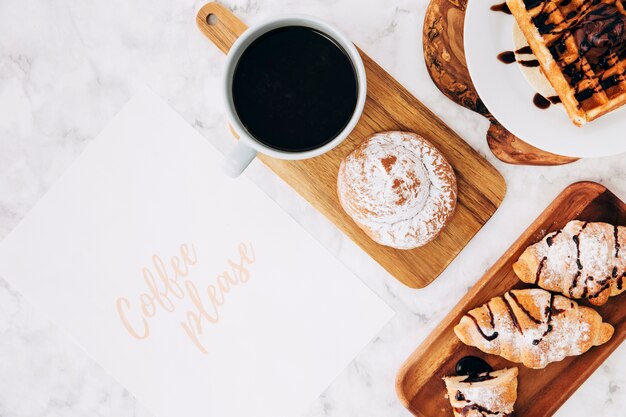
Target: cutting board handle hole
211,19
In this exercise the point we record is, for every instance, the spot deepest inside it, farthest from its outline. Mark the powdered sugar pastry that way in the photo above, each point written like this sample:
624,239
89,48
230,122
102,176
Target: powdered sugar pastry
398,188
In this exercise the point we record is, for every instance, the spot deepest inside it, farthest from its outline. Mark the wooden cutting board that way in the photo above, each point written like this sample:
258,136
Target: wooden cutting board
540,392
389,106
444,53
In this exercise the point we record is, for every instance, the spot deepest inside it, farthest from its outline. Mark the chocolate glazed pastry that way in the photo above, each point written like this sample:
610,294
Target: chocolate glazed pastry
534,327
478,390
582,260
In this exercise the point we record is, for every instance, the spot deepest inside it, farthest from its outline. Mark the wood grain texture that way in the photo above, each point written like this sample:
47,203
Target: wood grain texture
540,392
389,106
444,53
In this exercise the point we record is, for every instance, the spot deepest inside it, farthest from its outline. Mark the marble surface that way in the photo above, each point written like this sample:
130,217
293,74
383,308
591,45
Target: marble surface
66,67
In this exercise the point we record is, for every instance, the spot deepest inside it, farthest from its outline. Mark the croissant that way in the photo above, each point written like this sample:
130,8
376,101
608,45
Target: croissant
583,260
533,327
492,393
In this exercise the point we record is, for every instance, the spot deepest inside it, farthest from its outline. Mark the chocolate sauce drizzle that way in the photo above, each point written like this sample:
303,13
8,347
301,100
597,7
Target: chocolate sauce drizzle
460,397
574,284
550,312
604,287
502,7
618,280
479,378
491,318
524,310
473,407
576,240
509,57
579,265
512,314
477,370
506,57
530,63
544,102
481,331
603,281
540,268
531,4
550,239
472,365
541,102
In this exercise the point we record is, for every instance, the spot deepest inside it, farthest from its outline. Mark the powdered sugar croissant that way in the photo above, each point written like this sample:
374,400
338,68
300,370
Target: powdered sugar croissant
583,260
492,393
533,327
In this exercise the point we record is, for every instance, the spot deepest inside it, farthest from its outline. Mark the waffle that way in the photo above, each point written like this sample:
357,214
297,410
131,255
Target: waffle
581,47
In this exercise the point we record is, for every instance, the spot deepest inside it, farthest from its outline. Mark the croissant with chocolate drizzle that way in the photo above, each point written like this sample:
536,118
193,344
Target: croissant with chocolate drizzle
533,327
582,260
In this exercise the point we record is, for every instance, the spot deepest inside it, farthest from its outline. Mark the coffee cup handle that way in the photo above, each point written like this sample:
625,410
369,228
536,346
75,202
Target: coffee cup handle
238,159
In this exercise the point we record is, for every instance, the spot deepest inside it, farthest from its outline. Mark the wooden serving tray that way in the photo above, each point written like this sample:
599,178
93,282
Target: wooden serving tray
540,392
444,53
388,107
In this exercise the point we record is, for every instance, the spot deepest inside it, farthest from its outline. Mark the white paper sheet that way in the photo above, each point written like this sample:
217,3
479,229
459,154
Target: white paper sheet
194,290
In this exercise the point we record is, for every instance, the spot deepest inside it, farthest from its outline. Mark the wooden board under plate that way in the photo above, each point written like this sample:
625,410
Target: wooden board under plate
540,392
389,106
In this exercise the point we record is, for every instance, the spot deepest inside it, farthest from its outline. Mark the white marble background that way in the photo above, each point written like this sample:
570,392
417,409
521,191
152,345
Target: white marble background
66,67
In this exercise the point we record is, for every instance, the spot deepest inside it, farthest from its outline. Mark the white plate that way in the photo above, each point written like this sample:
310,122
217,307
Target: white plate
509,97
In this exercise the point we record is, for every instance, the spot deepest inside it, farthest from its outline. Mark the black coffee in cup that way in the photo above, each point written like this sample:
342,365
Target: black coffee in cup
294,89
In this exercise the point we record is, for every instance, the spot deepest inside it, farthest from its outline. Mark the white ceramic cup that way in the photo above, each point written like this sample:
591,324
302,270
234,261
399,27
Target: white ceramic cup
247,147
